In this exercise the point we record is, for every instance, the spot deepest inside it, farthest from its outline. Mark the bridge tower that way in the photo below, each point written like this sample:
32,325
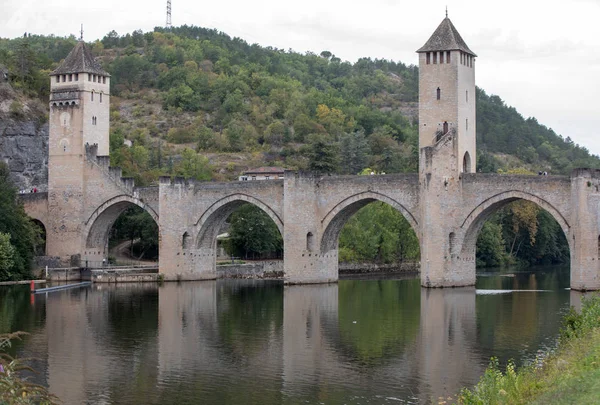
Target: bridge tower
79,116
447,149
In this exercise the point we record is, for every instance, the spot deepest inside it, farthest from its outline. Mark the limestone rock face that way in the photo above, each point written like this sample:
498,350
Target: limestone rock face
24,147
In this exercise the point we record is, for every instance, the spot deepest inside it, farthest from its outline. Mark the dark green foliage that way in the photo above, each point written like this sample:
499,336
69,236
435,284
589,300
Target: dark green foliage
136,226
506,239
490,245
354,152
253,234
378,233
24,235
501,129
322,154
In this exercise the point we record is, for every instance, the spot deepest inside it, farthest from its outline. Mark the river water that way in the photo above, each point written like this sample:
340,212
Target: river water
257,342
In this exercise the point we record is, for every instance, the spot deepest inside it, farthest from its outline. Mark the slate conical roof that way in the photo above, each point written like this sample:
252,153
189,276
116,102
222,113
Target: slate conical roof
80,60
446,38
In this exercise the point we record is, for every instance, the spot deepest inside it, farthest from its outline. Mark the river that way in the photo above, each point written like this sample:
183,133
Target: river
360,341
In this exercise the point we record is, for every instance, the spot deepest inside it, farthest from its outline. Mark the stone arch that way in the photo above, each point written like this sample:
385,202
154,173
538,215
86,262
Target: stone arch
98,225
215,216
477,217
40,249
335,219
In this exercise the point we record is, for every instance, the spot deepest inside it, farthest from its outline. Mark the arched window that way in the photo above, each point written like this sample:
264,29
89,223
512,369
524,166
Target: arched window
445,127
186,240
439,93
310,242
467,163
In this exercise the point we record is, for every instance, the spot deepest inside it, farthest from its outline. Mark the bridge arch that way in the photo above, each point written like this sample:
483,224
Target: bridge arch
474,221
211,221
98,225
336,218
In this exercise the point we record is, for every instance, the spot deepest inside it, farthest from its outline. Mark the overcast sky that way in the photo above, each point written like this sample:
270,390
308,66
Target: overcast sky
542,57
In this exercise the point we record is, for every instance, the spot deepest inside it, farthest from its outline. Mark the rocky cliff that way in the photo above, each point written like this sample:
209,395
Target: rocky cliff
24,147
23,140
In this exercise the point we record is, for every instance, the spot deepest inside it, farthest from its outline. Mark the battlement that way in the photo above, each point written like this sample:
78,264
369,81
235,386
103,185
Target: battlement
113,173
585,173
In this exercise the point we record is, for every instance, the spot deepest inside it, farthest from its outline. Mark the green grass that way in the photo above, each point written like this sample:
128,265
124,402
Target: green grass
571,375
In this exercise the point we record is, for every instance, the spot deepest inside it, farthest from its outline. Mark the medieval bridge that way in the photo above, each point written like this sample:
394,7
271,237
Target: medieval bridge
310,211
446,202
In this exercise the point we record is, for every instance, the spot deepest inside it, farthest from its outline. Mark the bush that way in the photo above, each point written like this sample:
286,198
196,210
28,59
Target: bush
15,389
16,110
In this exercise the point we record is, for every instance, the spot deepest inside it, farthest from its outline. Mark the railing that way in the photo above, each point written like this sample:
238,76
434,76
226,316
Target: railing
120,264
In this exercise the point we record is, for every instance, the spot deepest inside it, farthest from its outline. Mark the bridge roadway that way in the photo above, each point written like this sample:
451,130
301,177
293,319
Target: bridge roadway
446,214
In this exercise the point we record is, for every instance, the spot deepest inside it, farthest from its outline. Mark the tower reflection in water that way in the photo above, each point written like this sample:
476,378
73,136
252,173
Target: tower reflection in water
260,342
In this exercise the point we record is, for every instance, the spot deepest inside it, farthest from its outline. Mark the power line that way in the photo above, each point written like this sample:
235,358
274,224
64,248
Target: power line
168,13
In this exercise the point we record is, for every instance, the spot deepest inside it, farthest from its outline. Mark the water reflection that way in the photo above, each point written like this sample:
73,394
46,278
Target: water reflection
232,342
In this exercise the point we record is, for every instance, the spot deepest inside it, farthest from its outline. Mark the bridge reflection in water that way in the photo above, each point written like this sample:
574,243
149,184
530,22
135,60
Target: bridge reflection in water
260,342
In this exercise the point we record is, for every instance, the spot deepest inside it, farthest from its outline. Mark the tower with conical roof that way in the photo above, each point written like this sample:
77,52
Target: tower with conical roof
447,95
79,117
447,151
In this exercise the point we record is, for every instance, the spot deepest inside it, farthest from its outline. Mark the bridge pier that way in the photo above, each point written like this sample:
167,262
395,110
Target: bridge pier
584,241
304,262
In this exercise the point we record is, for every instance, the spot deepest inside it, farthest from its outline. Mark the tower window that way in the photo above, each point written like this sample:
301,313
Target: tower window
439,93
57,79
76,77
70,78
447,56
442,57
100,97
434,58
92,95
94,78
89,77
428,57
103,79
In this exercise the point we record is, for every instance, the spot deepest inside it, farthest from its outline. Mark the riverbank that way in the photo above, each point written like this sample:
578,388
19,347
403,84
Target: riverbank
570,375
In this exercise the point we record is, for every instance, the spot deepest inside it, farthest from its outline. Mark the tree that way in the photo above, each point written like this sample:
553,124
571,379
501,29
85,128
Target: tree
193,165
7,252
253,234
24,235
354,152
490,245
322,154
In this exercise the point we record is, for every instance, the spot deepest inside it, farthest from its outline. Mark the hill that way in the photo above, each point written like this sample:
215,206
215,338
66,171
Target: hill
198,103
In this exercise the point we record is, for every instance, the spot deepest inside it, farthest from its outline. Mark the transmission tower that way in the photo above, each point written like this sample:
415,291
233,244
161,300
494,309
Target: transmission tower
168,13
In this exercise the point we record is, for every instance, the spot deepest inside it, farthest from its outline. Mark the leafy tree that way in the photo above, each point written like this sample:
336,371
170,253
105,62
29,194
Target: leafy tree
136,226
23,233
322,154
354,152
193,165
378,233
7,252
491,246
253,234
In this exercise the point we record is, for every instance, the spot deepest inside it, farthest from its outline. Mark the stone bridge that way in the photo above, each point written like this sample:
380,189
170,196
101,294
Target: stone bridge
310,211
446,202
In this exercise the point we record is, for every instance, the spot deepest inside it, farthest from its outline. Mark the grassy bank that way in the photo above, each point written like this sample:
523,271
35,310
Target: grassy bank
571,375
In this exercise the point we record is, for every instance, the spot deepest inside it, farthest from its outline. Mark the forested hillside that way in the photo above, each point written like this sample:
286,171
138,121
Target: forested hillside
197,103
